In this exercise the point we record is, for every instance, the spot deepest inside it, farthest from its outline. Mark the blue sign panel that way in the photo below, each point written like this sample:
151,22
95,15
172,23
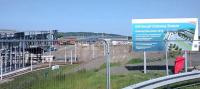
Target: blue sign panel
155,36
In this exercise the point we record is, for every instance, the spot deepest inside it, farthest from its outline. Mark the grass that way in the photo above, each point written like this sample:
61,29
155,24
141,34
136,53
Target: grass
135,61
59,79
111,65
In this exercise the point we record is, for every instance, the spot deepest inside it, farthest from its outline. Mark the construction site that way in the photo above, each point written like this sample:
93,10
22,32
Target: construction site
40,54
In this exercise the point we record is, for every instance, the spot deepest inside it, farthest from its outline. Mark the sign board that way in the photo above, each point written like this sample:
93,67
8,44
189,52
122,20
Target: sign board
156,34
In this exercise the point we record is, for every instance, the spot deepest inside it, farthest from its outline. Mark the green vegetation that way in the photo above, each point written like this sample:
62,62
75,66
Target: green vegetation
60,35
111,65
135,61
63,79
36,80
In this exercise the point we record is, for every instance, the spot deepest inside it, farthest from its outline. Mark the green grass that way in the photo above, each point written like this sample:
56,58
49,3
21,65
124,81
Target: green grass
59,79
135,61
111,65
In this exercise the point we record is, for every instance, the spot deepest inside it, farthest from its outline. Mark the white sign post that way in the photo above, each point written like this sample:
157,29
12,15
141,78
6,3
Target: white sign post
166,60
186,62
145,63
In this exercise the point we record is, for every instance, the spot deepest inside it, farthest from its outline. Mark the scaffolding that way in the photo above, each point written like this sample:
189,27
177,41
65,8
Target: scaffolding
20,49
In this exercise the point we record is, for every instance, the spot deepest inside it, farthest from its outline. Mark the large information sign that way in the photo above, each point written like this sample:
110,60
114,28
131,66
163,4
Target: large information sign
156,34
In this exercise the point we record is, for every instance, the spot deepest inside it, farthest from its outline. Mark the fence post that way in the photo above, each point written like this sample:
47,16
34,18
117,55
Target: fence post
31,63
75,53
93,51
65,55
71,58
145,63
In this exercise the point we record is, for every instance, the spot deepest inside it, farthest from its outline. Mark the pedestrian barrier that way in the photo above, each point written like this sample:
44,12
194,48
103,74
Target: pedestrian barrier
162,81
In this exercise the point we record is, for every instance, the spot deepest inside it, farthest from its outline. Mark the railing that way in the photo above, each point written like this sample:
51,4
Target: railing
162,81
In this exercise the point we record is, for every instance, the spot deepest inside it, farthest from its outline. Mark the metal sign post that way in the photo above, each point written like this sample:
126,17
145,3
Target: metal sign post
186,62
145,63
166,59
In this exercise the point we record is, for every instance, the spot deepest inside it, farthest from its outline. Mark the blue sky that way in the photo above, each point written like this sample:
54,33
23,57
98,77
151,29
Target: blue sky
110,16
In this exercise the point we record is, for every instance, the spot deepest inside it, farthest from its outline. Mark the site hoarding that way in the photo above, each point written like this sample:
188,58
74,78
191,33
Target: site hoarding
156,34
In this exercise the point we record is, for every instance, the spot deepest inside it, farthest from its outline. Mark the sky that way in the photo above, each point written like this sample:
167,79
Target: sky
108,16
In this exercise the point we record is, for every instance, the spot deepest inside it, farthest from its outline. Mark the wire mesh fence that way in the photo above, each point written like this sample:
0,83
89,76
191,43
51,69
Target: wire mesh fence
72,65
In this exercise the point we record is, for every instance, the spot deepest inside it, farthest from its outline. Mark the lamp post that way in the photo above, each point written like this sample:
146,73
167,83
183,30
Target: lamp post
107,58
